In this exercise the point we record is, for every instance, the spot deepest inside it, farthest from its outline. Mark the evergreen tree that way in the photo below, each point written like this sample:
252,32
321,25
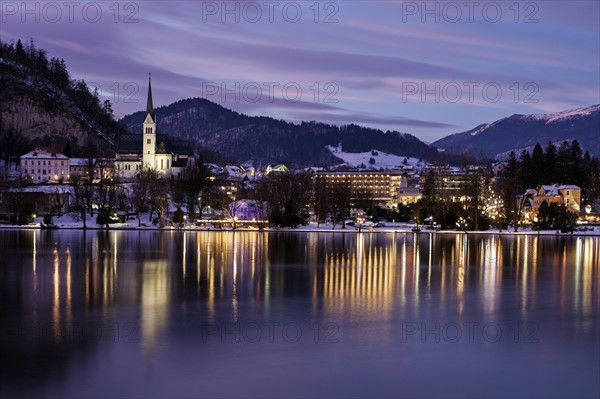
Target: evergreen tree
59,74
427,205
20,55
526,173
593,192
563,159
549,174
545,219
537,165
574,175
585,173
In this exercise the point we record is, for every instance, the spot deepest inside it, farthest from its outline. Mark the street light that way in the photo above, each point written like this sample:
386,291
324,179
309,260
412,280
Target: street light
360,219
461,224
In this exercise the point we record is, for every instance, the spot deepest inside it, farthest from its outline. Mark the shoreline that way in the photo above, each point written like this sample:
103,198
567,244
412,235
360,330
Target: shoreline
595,232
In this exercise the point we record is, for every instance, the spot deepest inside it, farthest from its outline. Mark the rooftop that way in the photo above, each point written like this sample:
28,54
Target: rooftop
45,152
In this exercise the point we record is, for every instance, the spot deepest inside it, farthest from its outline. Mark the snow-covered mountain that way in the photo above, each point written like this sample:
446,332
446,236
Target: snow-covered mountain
519,132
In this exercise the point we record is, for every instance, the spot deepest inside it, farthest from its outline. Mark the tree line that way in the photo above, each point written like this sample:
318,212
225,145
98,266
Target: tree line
479,200
36,64
562,164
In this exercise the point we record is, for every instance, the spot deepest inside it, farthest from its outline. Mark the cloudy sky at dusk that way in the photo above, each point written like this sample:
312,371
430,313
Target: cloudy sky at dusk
428,68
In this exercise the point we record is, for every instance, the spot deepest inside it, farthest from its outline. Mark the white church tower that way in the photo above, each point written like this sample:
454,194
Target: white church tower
149,134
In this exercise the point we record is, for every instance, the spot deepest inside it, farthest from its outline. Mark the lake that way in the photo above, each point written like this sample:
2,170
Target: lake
298,314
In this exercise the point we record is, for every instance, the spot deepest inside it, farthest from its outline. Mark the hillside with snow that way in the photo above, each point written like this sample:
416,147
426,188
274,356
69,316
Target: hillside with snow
375,160
518,132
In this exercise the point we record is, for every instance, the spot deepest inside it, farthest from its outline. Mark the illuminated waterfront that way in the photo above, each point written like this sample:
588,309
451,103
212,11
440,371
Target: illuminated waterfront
296,314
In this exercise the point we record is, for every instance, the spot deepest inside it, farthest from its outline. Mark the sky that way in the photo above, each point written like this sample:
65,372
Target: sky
426,68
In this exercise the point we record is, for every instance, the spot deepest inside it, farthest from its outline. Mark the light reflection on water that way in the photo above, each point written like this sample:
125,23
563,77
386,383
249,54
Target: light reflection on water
132,301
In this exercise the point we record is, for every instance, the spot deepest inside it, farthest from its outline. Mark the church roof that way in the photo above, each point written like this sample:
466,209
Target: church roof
180,163
129,144
149,105
132,144
130,158
181,147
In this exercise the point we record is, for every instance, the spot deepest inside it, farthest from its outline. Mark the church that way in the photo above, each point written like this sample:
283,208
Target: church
151,150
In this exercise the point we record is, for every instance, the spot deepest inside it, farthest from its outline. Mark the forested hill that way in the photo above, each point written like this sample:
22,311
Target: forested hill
41,105
267,140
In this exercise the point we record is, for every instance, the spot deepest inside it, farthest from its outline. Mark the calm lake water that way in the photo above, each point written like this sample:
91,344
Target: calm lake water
245,314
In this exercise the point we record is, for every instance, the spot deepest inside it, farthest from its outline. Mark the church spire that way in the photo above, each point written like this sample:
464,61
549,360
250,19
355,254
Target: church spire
149,106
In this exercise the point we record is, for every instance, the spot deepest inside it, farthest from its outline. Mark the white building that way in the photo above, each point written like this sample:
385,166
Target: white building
151,150
44,165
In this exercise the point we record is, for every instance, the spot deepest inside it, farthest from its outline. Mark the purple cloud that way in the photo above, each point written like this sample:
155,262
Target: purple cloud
368,53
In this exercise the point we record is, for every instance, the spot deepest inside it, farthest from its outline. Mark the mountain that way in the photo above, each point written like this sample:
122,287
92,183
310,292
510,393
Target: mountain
519,132
266,140
40,105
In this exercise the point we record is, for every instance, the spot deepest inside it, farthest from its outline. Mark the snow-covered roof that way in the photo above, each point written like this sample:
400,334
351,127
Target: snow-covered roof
551,190
44,152
80,161
569,187
233,169
554,189
215,169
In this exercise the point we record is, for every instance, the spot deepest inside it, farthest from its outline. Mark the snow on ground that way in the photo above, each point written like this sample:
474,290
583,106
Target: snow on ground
71,221
480,129
11,169
382,160
45,188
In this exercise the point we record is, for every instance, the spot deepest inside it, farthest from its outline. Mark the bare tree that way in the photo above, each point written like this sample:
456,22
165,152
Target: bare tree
140,193
57,200
79,198
341,201
192,188
158,195
320,200
232,209
510,187
261,195
473,189
110,199
290,195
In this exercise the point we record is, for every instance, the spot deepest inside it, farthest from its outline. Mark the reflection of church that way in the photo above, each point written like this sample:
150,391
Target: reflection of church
151,151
